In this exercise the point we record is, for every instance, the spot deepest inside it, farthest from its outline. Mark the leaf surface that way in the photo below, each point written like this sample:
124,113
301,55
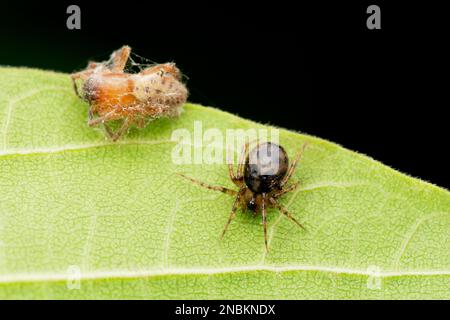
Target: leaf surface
116,216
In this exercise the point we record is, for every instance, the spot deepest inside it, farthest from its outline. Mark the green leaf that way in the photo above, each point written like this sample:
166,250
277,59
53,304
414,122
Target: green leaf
117,213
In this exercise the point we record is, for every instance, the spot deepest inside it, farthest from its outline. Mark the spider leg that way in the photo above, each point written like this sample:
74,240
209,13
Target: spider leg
120,58
74,78
90,114
122,129
294,165
233,210
83,75
112,115
230,166
286,190
154,110
75,87
239,177
264,219
108,130
284,211
208,186
153,69
93,65
240,171
140,122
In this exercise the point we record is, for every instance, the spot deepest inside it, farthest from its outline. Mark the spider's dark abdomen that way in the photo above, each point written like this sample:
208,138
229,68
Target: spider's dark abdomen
265,167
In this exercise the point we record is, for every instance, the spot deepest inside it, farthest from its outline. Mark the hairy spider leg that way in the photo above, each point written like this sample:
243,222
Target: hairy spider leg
120,58
155,109
208,186
238,178
284,211
83,75
112,115
294,165
152,69
233,210
264,219
241,163
107,128
75,77
162,68
122,129
140,122
230,166
286,190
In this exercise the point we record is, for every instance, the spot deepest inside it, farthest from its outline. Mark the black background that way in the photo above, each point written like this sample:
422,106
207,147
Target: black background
166,309
313,68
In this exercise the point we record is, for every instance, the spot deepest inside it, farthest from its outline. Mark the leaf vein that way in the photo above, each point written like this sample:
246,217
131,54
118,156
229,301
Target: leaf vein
109,275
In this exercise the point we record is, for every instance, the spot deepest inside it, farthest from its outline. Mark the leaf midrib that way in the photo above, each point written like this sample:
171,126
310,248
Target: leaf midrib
103,275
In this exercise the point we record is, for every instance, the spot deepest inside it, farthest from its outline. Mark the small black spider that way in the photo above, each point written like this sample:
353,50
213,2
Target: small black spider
261,180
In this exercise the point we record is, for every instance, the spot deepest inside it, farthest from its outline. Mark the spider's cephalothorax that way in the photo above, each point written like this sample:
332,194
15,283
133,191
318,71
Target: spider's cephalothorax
135,98
262,175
